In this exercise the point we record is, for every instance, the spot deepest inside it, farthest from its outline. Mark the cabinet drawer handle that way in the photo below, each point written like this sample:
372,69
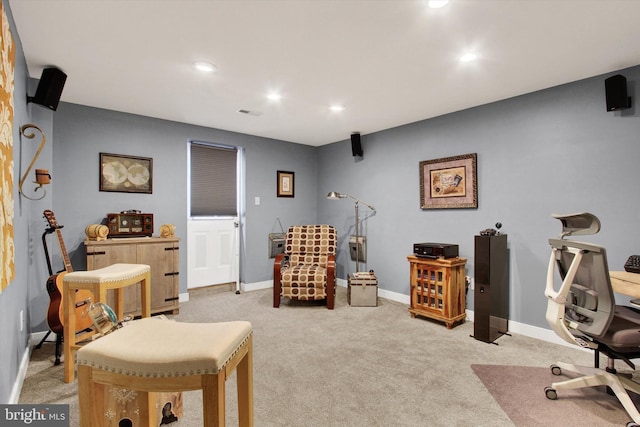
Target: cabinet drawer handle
171,249
174,273
172,299
96,253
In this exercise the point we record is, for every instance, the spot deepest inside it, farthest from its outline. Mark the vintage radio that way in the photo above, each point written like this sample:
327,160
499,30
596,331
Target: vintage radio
130,223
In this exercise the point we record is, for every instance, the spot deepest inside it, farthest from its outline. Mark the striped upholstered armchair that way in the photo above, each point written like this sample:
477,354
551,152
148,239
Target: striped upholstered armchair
307,268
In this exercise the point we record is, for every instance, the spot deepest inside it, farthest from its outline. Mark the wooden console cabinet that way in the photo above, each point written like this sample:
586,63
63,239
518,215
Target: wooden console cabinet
161,254
438,288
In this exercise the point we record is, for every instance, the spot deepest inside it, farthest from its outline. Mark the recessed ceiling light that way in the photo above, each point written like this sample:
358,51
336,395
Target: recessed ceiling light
437,4
336,108
204,66
468,57
274,96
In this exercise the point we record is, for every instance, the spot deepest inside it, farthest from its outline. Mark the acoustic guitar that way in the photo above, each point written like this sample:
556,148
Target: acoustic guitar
55,313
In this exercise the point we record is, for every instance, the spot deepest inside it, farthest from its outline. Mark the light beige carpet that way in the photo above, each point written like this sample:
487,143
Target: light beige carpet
352,366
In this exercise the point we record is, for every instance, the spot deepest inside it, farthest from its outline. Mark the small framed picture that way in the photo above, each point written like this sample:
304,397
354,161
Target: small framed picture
126,174
285,184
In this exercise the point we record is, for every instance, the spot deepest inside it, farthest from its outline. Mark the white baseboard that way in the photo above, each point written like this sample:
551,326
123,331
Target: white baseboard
244,287
247,287
22,373
36,337
537,332
183,297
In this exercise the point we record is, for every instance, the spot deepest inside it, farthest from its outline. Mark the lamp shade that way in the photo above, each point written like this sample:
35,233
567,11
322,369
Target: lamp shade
335,195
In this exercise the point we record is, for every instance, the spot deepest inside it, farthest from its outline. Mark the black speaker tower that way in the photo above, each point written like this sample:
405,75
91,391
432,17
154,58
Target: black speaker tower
491,302
616,93
356,145
49,88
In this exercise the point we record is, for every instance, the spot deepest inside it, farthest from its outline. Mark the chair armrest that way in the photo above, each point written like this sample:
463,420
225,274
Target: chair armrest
331,265
331,281
277,265
281,259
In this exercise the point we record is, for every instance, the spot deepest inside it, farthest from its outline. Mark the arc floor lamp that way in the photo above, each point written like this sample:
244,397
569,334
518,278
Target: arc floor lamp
333,195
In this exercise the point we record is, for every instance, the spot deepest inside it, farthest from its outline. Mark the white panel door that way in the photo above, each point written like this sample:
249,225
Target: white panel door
212,251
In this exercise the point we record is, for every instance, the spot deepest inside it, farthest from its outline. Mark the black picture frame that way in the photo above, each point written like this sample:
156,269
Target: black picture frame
286,184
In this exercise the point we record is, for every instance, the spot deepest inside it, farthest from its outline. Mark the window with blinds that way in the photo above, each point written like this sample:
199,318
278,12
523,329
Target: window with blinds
213,180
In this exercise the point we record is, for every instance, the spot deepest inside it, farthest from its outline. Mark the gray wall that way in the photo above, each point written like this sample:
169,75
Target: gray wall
81,133
16,297
552,151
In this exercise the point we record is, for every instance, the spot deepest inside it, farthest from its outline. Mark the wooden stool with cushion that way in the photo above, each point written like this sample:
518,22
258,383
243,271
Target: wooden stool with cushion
156,355
98,282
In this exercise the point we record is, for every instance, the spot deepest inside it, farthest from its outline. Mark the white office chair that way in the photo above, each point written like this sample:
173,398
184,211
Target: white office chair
583,312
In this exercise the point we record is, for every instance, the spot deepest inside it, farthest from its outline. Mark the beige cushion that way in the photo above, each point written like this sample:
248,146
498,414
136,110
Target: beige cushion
112,273
152,347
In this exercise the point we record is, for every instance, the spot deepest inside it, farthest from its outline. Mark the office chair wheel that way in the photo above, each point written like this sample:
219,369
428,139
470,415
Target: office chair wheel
632,424
551,393
555,370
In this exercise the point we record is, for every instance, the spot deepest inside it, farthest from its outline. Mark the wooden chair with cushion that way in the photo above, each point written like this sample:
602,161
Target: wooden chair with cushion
306,269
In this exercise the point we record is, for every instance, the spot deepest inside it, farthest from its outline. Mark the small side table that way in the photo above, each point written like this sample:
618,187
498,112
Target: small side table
115,276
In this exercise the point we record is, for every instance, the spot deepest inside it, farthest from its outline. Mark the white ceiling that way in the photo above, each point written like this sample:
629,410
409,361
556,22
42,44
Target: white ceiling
388,62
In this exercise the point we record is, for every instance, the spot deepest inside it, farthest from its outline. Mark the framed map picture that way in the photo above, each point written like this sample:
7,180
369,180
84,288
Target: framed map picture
126,174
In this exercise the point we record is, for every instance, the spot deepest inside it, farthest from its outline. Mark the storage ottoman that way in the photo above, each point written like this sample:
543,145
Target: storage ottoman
362,290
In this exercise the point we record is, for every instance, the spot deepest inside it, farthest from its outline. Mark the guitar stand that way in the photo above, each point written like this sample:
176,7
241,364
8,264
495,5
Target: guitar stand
58,336
58,346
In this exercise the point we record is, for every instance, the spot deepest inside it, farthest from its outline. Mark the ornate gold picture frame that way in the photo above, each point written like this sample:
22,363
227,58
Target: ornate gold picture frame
449,183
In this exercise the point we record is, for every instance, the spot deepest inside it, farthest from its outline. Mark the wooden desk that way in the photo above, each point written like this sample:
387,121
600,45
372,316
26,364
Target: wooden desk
625,283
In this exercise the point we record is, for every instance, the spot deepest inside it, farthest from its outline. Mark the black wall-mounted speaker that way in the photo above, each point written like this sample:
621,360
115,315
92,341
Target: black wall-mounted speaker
616,93
50,88
356,145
